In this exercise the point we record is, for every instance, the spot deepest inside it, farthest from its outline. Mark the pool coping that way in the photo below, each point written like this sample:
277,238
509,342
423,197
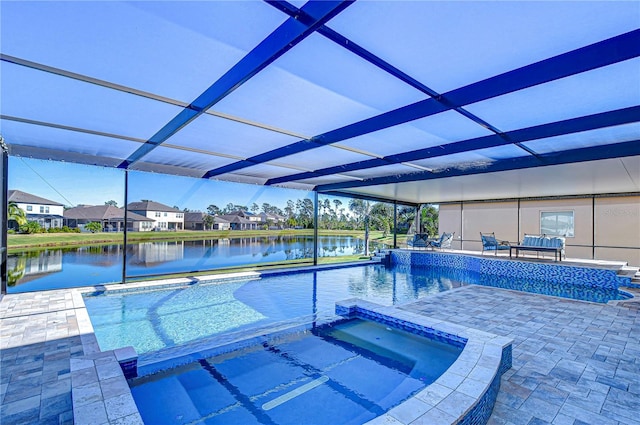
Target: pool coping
467,391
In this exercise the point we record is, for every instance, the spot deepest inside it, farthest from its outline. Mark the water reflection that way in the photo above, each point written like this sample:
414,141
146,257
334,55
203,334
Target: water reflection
98,264
32,265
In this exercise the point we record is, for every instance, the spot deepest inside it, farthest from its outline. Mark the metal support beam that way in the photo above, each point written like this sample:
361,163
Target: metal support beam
286,36
126,216
4,204
594,153
559,128
395,224
367,197
603,53
315,228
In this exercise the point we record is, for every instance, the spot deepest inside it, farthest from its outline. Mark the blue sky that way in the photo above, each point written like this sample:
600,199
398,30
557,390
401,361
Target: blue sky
73,184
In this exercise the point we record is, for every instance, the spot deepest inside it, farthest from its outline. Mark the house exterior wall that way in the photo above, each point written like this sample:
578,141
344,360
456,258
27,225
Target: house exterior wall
165,220
617,229
222,226
449,220
142,226
41,209
44,210
194,225
486,217
578,246
605,227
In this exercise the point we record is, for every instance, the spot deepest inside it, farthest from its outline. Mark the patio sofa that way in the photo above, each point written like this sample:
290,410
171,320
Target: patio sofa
540,243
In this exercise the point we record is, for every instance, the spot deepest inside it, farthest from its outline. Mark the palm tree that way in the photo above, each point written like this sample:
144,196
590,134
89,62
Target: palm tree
208,221
362,211
17,214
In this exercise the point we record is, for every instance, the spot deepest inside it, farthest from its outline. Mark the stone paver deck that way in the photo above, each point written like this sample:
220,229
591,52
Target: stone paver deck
51,370
573,362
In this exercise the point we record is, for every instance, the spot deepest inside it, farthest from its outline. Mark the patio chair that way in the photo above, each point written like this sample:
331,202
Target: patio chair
419,240
490,243
443,242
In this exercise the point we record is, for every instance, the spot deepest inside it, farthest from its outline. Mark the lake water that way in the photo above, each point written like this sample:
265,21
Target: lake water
93,265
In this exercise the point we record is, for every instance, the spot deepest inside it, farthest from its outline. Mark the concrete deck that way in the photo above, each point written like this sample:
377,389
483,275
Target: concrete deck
573,362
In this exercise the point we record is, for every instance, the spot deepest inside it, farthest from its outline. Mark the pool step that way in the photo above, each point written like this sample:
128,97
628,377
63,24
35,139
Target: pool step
382,256
633,273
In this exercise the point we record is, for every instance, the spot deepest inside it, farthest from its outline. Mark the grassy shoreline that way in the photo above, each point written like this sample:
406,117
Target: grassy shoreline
24,242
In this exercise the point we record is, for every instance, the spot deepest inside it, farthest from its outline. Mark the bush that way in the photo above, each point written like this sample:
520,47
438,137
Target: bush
93,226
31,227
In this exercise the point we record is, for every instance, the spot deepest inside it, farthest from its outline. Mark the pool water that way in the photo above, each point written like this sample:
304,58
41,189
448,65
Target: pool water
196,315
153,320
359,368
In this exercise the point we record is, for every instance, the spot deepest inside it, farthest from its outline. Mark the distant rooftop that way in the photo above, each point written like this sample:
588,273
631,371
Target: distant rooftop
102,212
19,196
150,206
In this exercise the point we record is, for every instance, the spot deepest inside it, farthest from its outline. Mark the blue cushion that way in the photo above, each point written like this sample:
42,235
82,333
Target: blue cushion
557,242
529,241
489,240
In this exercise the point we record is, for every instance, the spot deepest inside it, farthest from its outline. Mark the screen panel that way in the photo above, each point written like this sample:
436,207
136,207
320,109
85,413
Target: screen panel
67,202
317,87
439,129
229,137
401,138
602,136
611,87
155,42
325,156
23,134
436,42
325,64
41,96
183,158
386,170
266,171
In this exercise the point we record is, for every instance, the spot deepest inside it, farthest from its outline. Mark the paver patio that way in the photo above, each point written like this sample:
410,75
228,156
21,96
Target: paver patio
573,362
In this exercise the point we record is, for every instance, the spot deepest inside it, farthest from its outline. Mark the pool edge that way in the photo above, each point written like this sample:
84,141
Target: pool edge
467,391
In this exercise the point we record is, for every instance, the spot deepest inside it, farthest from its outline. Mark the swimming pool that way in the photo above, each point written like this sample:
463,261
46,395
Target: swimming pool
155,321
347,373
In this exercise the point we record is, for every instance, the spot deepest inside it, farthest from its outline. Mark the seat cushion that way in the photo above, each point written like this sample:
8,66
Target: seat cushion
489,240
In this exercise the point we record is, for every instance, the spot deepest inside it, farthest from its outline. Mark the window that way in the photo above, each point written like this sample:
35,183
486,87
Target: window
46,210
557,223
165,214
29,207
41,209
157,213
